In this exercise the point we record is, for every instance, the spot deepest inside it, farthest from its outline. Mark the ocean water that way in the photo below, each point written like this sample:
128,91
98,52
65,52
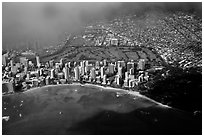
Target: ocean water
90,109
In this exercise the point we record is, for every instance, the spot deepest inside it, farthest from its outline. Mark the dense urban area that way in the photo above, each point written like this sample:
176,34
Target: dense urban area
158,56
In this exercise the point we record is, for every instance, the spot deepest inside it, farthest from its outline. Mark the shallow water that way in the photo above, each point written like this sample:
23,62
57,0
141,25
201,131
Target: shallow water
89,109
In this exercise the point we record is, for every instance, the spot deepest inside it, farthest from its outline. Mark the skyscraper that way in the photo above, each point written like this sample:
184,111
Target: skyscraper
28,76
86,63
132,72
11,63
52,75
38,61
41,71
14,69
111,68
121,63
118,81
4,60
104,62
69,64
120,71
114,42
131,83
66,72
126,75
47,80
130,65
25,69
61,61
82,71
102,72
97,65
93,73
75,63
51,62
66,65
126,82
76,73
104,79
141,64
141,78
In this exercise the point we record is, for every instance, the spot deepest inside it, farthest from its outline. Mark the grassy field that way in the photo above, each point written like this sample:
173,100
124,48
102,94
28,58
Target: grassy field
76,53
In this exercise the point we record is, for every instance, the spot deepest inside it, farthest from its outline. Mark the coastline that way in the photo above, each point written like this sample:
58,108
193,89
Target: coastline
133,93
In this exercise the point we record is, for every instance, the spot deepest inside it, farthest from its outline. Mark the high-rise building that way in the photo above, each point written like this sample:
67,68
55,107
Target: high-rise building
93,73
75,63
88,68
57,65
141,64
120,71
14,69
30,63
60,75
126,83
97,65
37,73
118,79
121,64
47,65
47,80
38,61
105,62
146,76
102,72
4,62
69,64
51,62
111,68
66,72
131,83
82,71
52,75
86,63
41,71
114,42
11,63
23,60
131,77
130,65
132,72
82,64
76,73
28,76
104,80
141,78
25,69
18,65
66,65
62,62
126,75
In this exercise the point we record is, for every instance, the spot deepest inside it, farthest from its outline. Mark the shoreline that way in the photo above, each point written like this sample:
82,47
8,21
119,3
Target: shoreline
133,93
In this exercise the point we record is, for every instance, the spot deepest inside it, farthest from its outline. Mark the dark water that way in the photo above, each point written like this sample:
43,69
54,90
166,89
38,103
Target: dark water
76,109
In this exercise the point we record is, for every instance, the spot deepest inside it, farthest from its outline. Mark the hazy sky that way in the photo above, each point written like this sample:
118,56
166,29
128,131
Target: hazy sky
46,23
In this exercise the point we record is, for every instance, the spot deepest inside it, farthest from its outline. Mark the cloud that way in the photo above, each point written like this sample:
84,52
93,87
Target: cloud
45,23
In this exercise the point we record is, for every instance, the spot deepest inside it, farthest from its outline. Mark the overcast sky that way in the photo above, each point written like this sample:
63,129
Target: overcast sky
46,23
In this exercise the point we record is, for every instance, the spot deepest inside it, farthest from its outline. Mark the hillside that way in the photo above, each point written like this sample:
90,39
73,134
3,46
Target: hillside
169,37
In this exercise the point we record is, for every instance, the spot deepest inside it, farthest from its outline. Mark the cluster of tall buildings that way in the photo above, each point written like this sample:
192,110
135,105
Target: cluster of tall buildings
26,74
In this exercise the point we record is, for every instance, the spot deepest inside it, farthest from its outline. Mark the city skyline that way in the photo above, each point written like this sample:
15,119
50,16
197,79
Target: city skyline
102,68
